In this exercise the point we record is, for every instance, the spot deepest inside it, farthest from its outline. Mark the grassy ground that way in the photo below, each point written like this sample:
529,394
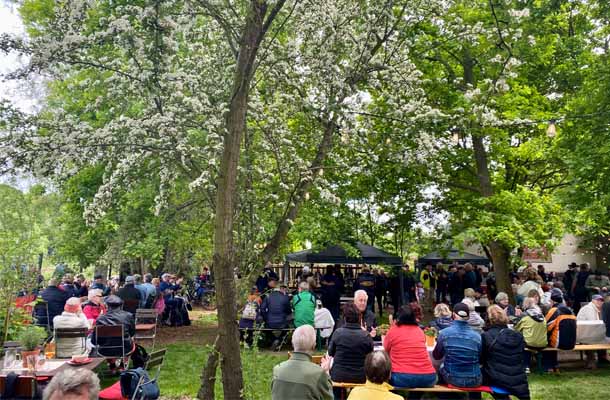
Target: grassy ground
188,346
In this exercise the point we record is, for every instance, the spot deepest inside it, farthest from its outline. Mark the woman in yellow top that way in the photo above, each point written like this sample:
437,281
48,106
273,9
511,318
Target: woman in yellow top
377,367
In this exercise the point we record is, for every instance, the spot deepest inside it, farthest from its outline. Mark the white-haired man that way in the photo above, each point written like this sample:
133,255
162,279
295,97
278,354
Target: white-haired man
73,384
299,378
368,320
72,318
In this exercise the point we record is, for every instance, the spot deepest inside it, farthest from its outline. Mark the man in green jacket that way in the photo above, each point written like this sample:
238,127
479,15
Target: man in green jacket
304,304
299,378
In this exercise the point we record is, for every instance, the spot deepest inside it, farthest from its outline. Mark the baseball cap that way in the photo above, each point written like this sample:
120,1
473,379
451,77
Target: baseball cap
461,310
556,295
130,279
597,297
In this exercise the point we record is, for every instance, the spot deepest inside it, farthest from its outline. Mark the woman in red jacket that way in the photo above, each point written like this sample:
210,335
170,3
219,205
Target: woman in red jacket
406,345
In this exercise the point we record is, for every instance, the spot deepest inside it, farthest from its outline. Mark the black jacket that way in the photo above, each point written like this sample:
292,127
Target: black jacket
275,310
349,346
56,300
368,319
129,292
502,360
366,282
116,317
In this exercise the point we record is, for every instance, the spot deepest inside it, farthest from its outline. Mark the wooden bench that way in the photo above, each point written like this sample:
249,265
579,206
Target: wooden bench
435,389
578,347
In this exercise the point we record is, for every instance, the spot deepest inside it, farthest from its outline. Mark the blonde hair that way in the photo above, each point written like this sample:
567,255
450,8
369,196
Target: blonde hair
93,293
469,292
497,316
530,302
442,310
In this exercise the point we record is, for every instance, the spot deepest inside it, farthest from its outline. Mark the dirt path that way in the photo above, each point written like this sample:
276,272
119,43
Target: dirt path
202,330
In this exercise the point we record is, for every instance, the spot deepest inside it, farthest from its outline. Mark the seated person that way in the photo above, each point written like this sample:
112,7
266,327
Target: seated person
56,300
460,347
502,356
275,310
474,320
442,315
406,345
532,326
94,307
377,367
503,301
130,295
592,334
349,346
116,316
304,304
299,378
324,321
561,331
366,318
250,316
72,317
73,384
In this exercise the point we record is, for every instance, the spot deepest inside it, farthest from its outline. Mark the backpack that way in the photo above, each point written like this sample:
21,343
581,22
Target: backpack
250,310
129,382
139,357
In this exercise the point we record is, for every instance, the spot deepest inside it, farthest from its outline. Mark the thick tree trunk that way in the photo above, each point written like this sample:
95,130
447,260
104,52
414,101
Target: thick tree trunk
500,257
224,248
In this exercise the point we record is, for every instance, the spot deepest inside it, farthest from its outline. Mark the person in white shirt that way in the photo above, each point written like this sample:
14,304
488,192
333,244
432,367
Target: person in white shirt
323,319
72,317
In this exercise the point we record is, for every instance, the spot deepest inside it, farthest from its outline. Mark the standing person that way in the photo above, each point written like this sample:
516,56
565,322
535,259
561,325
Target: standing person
442,284
470,277
592,312
568,279
150,291
479,278
456,286
597,283
532,326
304,305
331,294
366,282
579,287
408,284
349,346
81,286
532,282
381,288
138,285
542,273
68,285
460,348
250,315
406,345
501,356
299,378
426,278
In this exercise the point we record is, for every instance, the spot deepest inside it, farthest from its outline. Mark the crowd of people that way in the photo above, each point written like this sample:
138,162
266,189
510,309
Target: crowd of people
479,342
78,303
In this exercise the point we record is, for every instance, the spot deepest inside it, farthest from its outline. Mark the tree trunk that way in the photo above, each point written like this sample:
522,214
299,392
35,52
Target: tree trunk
208,375
500,257
224,248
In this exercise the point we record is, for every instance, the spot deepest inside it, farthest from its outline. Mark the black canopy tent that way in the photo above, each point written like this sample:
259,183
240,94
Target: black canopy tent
338,255
451,256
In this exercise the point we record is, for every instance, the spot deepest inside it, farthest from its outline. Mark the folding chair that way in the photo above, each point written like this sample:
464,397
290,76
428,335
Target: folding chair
23,387
131,304
109,341
63,350
146,325
155,361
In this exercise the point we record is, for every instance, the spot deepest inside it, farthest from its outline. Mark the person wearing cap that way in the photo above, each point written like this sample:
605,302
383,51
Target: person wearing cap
460,347
561,330
98,283
71,318
129,292
592,334
597,283
116,316
275,310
